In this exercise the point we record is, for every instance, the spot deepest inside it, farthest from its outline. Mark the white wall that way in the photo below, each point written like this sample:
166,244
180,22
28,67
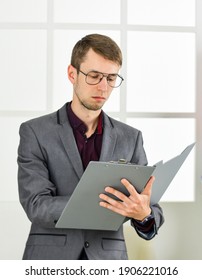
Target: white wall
36,38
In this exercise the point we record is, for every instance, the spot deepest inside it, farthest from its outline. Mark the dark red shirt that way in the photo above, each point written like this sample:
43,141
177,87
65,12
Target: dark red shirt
89,148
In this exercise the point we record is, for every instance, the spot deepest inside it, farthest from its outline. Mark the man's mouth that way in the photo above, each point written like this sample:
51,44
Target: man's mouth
101,98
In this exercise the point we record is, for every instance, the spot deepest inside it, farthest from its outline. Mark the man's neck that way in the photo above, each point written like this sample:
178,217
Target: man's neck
89,117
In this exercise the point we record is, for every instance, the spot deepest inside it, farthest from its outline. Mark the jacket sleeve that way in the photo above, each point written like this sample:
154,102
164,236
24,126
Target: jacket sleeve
139,157
37,193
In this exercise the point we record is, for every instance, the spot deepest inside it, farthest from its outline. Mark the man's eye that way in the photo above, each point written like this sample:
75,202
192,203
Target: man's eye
112,78
94,76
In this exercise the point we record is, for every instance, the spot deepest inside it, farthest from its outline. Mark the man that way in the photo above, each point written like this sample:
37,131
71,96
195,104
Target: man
55,149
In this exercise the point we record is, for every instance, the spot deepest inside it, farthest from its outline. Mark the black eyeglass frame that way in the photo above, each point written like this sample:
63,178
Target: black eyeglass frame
103,75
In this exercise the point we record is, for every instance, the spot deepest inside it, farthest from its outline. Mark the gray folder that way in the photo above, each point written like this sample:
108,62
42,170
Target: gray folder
165,173
83,211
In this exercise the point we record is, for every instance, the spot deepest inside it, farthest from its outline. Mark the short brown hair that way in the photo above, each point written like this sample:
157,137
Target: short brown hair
101,44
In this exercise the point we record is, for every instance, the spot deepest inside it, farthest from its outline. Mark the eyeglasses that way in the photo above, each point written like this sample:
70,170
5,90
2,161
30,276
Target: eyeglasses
95,77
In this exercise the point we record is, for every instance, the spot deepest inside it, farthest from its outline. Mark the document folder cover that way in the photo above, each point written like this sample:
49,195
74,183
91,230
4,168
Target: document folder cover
82,211
164,174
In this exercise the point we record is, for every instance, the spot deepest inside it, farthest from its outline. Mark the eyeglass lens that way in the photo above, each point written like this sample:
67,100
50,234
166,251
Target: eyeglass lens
93,78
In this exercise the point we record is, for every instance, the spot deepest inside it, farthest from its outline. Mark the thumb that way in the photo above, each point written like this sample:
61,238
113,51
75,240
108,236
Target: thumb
148,188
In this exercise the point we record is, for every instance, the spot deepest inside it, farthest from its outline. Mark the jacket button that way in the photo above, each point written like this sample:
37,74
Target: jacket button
86,244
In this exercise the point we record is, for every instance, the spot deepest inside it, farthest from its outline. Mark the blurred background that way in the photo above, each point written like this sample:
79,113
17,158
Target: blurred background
161,95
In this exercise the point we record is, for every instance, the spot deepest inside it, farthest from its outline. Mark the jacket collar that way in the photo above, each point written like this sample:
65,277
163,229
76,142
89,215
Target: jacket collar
67,137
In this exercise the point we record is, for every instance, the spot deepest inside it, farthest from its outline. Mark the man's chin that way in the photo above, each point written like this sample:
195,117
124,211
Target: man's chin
92,107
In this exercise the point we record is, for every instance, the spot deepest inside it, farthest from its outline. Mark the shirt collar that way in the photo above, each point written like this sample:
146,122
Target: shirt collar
77,123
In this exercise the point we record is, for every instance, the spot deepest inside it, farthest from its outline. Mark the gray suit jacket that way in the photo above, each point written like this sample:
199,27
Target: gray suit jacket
50,168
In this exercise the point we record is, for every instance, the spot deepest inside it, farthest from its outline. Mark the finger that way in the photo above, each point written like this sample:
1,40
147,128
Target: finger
130,188
148,188
110,203
113,208
119,195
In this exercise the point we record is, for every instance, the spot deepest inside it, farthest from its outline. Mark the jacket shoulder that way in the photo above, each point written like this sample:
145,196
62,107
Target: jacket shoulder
42,120
47,120
123,127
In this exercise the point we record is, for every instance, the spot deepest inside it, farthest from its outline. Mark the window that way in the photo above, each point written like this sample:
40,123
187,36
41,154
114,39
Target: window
160,92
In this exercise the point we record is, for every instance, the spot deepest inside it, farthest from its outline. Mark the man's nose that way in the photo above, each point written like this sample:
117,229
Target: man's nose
103,84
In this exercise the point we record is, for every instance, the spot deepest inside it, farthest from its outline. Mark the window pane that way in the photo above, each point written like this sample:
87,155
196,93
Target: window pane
161,72
23,70
113,103
64,41
88,11
8,164
162,12
165,139
23,10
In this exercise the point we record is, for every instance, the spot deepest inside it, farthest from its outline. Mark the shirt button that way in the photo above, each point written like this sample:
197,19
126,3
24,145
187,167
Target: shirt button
86,244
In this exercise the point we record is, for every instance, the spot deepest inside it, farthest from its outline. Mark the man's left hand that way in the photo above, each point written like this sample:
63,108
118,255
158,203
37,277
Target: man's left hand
136,205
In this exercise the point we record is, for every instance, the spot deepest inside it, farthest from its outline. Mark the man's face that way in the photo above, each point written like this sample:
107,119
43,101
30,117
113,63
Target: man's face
92,97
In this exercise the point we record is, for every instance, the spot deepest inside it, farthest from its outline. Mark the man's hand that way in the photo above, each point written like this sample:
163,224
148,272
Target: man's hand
136,206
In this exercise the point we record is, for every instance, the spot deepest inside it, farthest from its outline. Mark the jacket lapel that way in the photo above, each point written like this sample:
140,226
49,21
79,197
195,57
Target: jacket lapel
109,140
68,140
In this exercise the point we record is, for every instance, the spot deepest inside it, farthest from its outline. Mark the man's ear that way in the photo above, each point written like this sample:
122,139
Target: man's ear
71,73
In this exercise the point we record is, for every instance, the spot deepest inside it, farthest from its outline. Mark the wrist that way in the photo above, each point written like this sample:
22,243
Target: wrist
145,219
146,215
